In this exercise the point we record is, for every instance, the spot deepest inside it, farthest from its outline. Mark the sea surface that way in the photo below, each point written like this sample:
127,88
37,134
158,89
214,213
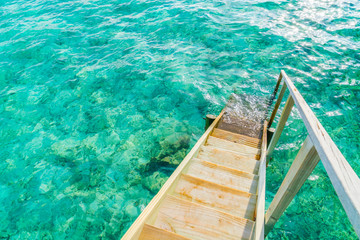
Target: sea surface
101,99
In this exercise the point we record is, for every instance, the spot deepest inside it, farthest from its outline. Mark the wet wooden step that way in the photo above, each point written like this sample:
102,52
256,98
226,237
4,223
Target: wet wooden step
236,138
228,159
235,147
222,198
198,222
150,232
243,126
229,177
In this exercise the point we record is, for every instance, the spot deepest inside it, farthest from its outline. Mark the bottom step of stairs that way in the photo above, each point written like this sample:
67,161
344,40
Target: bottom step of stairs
196,221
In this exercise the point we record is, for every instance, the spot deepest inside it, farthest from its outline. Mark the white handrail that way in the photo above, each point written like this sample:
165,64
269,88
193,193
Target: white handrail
344,179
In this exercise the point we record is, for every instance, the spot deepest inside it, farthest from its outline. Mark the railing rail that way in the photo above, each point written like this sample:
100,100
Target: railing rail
318,145
259,230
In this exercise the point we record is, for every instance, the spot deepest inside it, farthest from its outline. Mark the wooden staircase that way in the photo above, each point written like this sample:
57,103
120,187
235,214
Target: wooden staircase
218,190
212,196
215,197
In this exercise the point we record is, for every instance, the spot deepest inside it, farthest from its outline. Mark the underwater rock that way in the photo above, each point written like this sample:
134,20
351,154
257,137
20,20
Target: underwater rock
90,142
67,148
163,103
152,116
133,179
136,121
29,114
105,213
155,181
61,101
97,174
98,97
142,164
173,149
131,210
112,115
35,146
176,158
113,139
39,94
97,123
106,154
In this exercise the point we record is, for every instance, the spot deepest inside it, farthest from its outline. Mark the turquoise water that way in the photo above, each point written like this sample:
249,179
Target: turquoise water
100,100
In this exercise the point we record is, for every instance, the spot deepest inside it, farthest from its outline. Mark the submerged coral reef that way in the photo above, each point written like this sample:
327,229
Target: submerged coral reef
100,100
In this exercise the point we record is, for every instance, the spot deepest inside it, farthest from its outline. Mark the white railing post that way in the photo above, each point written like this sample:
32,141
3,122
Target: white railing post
303,165
277,104
280,126
276,88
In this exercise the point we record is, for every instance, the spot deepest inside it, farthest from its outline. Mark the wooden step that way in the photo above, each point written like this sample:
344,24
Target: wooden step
228,159
242,126
222,198
235,147
229,177
199,222
236,138
153,233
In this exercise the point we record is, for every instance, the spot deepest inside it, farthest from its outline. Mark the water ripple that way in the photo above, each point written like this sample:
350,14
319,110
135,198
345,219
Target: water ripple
100,100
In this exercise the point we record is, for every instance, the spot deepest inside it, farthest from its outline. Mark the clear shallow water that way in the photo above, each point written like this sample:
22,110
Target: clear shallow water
100,100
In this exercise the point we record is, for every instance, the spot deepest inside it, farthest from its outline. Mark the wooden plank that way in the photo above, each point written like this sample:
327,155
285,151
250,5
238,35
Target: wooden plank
222,175
236,138
344,179
259,229
277,104
147,215
228,159
280,126
241,125
303,165
153,233
235,147
223,198
199,222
